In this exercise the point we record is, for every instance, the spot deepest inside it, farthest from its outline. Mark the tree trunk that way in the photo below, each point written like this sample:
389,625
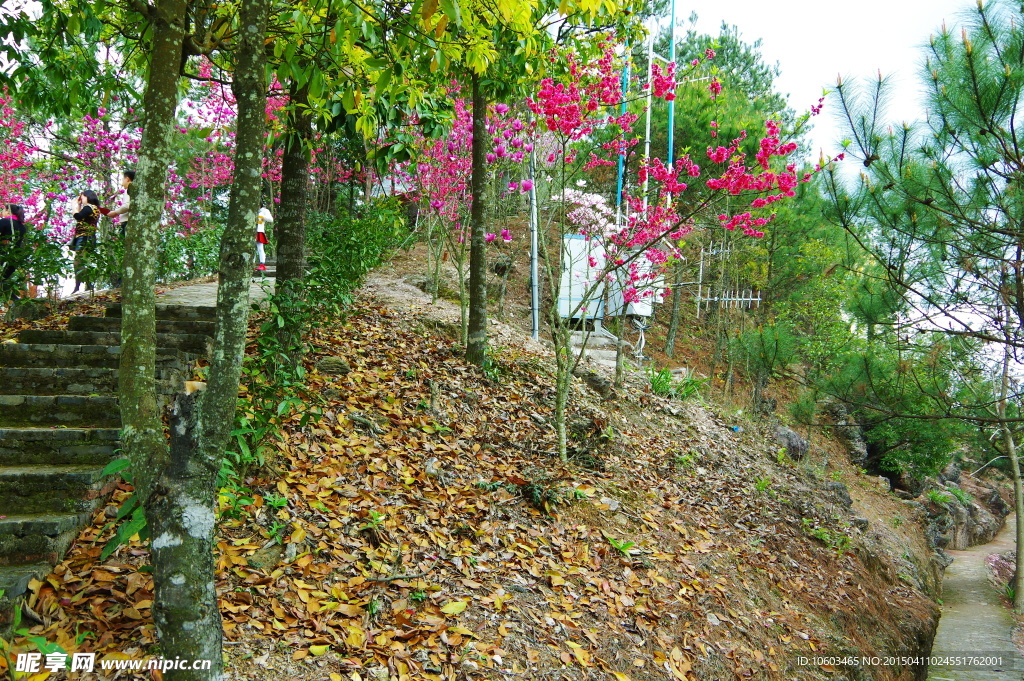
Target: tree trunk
291,223
142,431
476,340
1018,489
182,514
182,524
563,375
249,87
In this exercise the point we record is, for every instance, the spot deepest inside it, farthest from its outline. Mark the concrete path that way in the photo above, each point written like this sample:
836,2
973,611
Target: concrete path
206,294
974,621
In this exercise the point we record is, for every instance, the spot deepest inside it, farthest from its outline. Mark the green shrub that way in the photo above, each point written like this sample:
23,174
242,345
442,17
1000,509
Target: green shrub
344,249
683,388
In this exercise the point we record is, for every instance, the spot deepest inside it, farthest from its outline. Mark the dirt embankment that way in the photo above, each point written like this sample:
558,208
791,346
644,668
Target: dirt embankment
421,528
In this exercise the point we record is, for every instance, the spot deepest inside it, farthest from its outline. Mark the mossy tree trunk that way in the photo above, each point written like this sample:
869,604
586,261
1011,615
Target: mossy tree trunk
184,599
291,223
177,483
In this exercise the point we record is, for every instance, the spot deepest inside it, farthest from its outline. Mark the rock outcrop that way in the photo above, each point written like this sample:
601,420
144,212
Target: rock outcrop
849,433
962,514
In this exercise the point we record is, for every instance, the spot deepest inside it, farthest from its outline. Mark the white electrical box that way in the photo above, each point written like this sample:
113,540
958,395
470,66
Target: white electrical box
580,294
650,291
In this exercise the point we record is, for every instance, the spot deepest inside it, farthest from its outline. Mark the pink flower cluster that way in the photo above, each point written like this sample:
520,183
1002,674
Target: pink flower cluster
739,179
664,82
15,154
570,109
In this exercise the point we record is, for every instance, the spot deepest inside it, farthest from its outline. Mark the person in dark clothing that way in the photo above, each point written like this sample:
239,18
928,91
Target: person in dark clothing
12,238
83,243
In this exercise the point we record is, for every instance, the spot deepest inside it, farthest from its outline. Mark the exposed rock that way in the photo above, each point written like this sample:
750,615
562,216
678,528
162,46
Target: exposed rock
950,473
333,366
850,433
796,446
861,524
961,516
841,494
266,558
598,383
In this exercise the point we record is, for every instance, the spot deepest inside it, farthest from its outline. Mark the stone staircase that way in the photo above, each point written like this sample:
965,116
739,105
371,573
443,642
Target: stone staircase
59,428
598,347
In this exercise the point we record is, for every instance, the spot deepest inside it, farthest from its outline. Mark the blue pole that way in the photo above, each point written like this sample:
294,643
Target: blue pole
622,158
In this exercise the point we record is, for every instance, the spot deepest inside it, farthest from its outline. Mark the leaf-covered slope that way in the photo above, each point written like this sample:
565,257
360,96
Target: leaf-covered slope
423,529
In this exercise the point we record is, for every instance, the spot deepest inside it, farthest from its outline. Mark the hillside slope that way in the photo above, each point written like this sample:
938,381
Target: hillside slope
421,528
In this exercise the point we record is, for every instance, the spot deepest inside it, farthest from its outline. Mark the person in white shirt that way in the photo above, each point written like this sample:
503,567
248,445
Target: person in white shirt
122,202
262,219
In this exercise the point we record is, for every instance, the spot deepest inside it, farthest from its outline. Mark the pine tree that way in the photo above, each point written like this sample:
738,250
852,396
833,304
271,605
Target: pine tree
938,205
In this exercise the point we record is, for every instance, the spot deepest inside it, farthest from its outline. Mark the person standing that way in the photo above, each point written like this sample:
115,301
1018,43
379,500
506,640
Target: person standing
12,238
83,243
122,201
119,217
262,219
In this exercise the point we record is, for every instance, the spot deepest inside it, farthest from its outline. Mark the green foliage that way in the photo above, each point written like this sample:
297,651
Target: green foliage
896,391
833,539
376,521
232,497
276,531
188,256
682,388
963,497
126,529
767,348
493,368
620,545
937,497
936,206
762,484
41,260
748,94
344,249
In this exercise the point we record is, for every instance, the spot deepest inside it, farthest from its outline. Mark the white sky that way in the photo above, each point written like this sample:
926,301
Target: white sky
813,42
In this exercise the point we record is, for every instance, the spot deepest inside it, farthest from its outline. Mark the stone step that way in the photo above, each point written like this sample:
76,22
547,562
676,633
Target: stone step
603,355
206,313
57,381
594,340
55,446
194,344
59,411
65,381
68,488
14,581
34,537
57,355
167,326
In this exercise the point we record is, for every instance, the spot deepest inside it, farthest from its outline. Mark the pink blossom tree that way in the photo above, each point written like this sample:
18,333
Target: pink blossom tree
577,106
